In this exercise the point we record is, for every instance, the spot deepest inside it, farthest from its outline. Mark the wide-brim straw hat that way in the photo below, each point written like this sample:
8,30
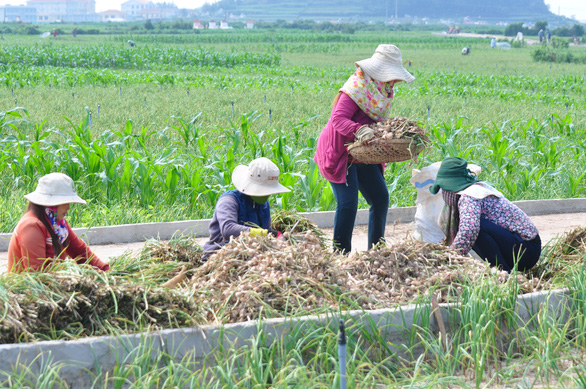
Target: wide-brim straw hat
386,64
453,176
54,189
260,178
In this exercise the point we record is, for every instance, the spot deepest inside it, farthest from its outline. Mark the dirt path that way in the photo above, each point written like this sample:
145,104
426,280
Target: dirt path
549,227
527,41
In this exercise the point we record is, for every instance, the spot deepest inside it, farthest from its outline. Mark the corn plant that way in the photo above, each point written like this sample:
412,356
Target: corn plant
188,131
447,138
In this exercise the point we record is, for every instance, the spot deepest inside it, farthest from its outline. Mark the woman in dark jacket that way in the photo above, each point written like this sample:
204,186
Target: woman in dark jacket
245,209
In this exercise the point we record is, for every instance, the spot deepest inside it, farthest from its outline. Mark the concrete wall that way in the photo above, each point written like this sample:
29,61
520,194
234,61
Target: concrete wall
80,358
127,233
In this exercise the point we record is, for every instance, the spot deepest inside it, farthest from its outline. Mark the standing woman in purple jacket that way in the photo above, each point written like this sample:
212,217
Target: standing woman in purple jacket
364,99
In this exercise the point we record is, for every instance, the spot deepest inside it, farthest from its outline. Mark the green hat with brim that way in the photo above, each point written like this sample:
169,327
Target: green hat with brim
453,176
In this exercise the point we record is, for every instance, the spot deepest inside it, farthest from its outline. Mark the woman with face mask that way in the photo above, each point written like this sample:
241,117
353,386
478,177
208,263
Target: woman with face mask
364,99
43,236
245,209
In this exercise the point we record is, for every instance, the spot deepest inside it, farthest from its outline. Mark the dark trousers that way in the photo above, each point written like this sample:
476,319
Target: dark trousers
369,180
503,248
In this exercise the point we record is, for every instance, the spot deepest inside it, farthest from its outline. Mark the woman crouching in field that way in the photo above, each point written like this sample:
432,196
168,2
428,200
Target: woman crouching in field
245,209
43,236
484,220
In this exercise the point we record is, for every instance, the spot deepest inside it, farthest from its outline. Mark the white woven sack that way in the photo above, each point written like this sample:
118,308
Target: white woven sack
430,206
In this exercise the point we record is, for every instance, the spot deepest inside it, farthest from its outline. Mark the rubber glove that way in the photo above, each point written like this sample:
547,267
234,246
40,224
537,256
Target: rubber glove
277,234
258,232
364,133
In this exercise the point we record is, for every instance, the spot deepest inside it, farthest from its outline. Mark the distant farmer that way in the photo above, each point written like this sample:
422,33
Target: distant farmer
466,50
131,43
74,32
245,209
548,34
364,99
519,37
55,32
484,220
493,43
540,35
43,236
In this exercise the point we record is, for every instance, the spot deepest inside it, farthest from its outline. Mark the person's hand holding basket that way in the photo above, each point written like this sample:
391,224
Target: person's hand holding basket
394,140
364,133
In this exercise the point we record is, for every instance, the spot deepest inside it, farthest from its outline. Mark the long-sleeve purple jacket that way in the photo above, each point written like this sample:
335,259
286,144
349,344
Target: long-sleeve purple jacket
331,153
224,224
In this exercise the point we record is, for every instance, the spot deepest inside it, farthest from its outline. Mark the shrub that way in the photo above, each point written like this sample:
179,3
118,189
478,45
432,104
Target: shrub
560,43
89,31
517,44
513,28
31,30
539,25
545,54
542,54
576,29
181,25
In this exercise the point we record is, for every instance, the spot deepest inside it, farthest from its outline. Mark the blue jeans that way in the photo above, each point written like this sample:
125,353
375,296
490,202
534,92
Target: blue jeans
503,248
369,180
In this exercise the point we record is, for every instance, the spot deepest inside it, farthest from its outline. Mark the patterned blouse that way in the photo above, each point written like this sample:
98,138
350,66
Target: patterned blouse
500,211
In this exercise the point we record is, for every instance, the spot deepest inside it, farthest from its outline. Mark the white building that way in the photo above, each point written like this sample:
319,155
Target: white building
224,25
197,25
213,25
158,13
249,24
64,10
112,15
134,8
146,9
18,13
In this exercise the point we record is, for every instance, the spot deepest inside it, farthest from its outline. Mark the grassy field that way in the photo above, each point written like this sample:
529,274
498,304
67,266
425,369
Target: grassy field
151,136
235,90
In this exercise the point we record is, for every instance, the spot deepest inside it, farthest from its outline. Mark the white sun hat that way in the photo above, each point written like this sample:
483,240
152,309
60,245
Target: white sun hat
54,189
260,178
386,64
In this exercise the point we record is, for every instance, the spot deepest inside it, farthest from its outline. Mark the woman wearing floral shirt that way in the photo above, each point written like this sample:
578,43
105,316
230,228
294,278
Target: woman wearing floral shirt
488,223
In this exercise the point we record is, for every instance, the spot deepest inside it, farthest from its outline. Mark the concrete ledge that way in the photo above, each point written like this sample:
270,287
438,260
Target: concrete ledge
552,207
79,359
127,233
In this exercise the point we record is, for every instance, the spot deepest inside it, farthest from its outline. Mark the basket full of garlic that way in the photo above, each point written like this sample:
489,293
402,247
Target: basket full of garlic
396,139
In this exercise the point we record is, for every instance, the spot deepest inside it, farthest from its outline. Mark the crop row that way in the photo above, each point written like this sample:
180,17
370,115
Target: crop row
283,39
565,90
193,167
122,57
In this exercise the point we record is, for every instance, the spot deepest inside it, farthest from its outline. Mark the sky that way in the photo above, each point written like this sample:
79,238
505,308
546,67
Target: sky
570,8
103,5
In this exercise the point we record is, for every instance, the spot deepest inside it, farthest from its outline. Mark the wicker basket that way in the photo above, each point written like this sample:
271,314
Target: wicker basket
379,150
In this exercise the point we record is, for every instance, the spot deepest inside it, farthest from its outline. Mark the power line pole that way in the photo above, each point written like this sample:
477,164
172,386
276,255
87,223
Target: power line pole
396,7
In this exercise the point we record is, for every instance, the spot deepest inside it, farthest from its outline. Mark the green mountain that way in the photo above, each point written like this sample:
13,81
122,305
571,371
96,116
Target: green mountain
361,10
